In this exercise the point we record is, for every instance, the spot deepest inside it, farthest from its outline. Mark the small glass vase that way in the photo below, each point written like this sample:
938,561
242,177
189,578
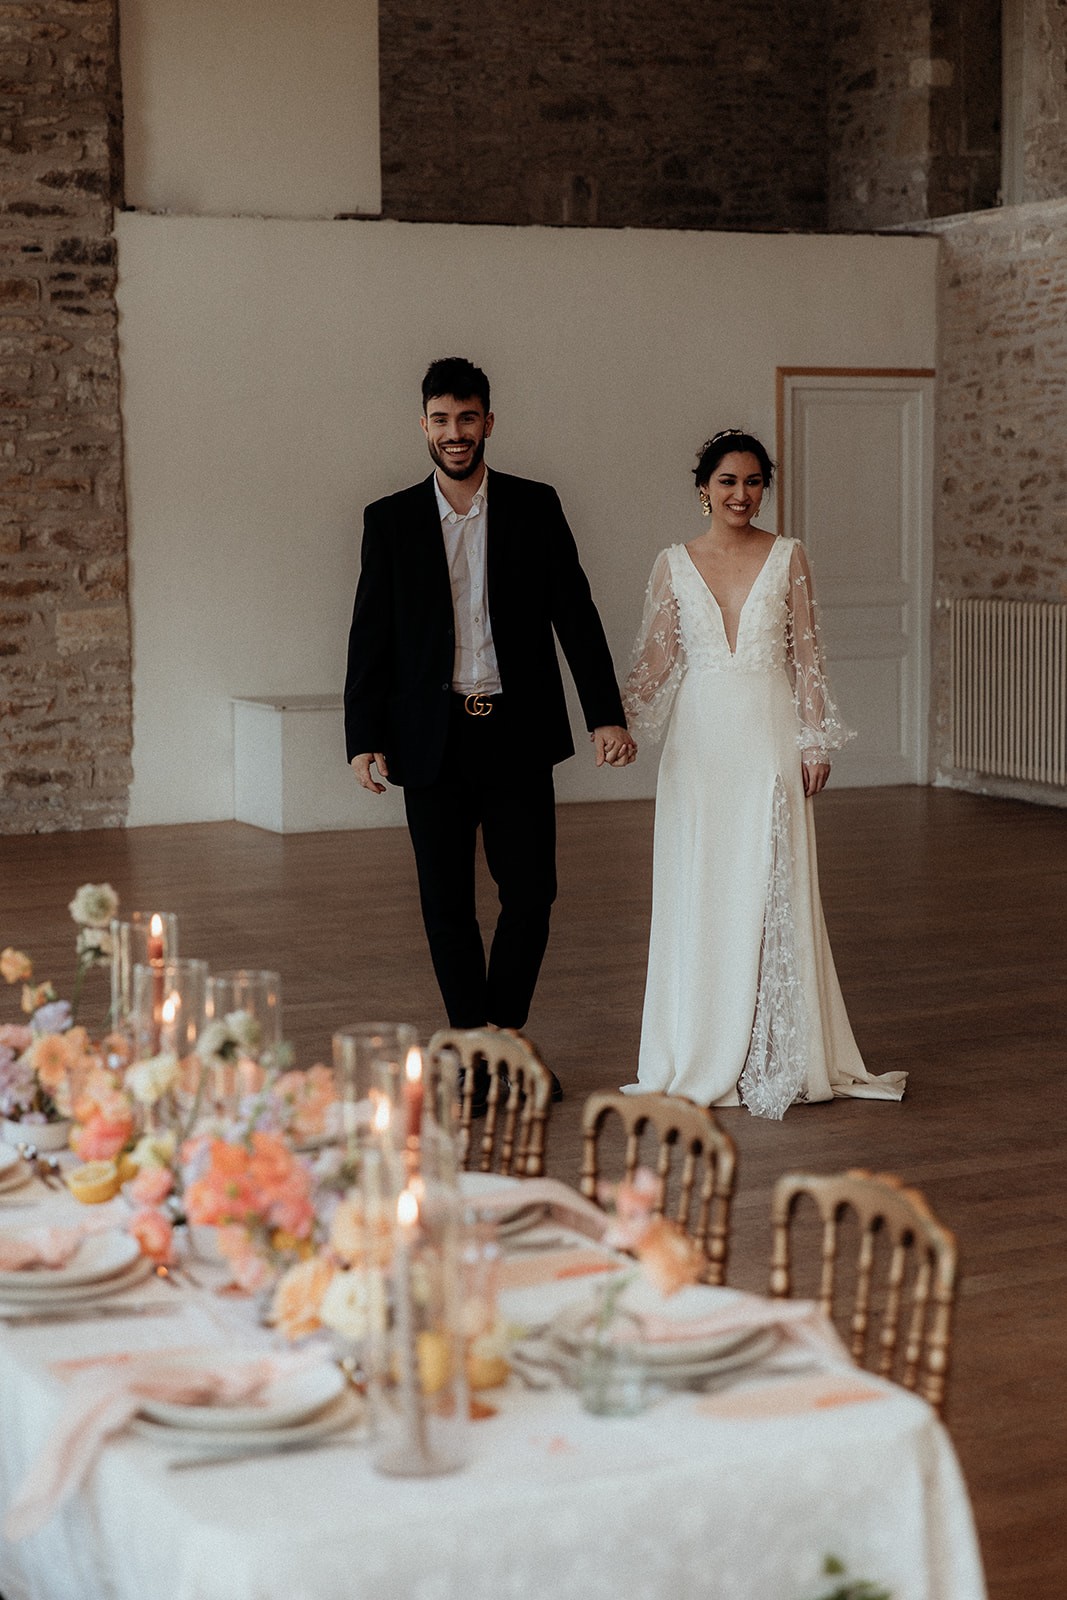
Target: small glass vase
135,943
611,1377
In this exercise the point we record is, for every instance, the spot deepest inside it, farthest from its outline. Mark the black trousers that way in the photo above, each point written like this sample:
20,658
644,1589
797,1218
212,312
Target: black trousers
486,782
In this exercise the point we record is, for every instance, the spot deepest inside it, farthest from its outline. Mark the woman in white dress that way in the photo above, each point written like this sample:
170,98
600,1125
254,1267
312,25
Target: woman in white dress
742,1002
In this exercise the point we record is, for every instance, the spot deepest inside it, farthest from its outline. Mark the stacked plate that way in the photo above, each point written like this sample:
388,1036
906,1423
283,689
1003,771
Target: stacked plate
14,1172
475,1186
298,1409
104,1264
683,1360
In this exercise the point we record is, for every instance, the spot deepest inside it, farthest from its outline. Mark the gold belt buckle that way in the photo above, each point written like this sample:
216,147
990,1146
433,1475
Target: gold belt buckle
476,705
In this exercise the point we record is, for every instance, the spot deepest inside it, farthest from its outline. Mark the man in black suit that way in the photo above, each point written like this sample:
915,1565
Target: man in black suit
454,691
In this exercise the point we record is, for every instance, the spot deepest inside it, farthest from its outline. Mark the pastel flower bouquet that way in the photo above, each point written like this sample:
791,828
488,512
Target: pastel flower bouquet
48,1063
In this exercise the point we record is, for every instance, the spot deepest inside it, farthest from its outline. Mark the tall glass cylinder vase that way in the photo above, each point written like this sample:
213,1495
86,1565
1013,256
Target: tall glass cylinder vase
142,938
368,1061
417,1379
167,1019
241,1043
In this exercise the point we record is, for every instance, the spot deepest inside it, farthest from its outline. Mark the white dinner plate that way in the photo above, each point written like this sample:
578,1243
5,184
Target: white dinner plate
99,1256
474,1186
290,1400
42,1295
9,1159
335,1415
755,1347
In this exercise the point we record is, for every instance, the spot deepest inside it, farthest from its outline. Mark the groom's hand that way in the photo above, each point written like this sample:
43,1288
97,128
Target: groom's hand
614,747
361,766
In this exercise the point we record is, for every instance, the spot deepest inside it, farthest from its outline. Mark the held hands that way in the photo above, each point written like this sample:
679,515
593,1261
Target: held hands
815,776
361,766
614,747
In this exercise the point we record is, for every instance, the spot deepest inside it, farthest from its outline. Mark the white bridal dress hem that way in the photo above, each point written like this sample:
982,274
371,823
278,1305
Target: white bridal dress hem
742,1001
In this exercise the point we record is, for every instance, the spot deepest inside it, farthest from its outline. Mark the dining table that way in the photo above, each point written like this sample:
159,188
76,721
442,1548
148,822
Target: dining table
755,1486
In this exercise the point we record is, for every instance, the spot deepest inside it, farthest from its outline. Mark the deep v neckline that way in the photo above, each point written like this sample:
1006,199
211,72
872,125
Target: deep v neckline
708,590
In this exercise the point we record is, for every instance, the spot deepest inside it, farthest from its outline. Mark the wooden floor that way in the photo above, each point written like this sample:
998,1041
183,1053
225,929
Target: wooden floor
946,913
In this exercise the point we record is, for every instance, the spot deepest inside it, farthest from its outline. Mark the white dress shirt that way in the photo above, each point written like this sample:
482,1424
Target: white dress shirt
475,668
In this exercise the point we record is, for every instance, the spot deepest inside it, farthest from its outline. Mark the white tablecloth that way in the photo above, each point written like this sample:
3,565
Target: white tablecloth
673,1504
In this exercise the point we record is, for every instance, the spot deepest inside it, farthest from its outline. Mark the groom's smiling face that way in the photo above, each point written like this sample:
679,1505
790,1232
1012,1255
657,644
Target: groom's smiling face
456,430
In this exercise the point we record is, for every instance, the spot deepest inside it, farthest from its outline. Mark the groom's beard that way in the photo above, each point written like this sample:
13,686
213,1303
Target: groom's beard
458,473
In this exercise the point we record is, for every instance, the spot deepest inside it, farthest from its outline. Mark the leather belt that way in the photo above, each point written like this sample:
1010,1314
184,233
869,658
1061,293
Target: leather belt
479,705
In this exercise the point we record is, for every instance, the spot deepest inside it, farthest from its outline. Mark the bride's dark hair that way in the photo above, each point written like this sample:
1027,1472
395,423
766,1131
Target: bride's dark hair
724,444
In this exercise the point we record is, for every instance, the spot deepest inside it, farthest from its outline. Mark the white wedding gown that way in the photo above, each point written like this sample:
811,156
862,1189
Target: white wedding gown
742,1002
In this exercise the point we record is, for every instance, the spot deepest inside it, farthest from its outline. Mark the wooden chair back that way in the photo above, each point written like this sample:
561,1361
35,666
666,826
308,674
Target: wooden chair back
902,1284
511,1140
704,1173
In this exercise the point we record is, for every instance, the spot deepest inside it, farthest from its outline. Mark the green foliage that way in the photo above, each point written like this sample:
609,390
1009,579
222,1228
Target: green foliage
854,1589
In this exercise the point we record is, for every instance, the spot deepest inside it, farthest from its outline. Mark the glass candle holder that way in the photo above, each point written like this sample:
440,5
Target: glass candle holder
368,1060
244,1022
145,938
167,1019
417,1379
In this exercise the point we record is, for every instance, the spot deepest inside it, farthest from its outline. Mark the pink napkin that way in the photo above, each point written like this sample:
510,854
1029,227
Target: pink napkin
103,1399
44,1247
565,1203
800,1321
530,1270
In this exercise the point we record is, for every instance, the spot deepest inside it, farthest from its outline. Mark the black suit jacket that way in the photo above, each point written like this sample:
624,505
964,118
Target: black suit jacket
401,645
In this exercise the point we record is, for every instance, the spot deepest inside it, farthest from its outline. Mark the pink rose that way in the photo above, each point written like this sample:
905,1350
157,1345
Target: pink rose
155,1236
100,1140
151,1185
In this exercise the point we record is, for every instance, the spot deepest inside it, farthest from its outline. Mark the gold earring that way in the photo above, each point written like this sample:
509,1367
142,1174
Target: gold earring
705,503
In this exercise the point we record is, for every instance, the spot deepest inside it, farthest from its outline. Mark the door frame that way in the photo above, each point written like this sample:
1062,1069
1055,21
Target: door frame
919,640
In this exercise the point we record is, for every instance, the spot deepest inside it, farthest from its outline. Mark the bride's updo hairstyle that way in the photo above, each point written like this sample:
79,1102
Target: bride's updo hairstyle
724,444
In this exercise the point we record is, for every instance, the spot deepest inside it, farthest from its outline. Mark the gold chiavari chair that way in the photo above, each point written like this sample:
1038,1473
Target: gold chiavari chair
512,1137
903,1280
682,1128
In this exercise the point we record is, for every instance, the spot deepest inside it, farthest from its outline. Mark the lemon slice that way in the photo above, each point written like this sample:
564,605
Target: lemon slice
126,1166
94,1181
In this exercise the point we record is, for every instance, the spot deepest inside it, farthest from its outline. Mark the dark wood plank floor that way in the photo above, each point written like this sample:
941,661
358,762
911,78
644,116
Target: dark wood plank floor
946,914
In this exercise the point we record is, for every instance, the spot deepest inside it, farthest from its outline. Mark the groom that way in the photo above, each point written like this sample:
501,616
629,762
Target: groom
454,691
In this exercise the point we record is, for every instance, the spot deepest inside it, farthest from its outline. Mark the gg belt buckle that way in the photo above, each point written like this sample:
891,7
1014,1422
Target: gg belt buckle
476,705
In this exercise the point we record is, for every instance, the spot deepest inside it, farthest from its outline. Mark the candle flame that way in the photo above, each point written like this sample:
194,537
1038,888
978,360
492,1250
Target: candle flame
407,1208
413,1065
170,1007
155,927
380,1120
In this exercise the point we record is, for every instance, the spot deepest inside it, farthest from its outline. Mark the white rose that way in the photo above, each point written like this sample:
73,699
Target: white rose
354,1304
94,942
94,905
150,1079
245,1031
213,1040
154,1150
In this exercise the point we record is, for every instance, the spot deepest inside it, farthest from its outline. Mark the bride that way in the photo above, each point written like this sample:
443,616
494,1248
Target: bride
742,1001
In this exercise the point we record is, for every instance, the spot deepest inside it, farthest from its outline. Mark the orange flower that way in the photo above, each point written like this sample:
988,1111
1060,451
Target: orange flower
151,1185
15,966
668,1257
155,1236
101,1139
50,1061
298,1297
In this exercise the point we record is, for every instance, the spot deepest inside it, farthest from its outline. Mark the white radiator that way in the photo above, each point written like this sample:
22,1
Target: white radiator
1009,689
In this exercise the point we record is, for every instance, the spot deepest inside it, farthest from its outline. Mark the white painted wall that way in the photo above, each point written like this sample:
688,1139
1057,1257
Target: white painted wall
251,107
271,376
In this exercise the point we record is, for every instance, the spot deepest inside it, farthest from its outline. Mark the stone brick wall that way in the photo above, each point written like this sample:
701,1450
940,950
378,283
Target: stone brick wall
1044,96
914,102
701,114
1001,495
65,726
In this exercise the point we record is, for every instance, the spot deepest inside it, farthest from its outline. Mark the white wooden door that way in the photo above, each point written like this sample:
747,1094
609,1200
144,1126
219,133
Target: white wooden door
855,451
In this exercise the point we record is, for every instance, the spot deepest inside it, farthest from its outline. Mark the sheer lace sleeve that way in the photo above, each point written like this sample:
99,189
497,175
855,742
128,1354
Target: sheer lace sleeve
821,729
659,655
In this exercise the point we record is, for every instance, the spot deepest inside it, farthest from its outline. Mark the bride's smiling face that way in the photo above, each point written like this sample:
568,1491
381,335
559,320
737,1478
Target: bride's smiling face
735,489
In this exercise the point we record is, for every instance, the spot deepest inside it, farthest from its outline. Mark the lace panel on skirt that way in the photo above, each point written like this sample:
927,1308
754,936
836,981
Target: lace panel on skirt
776,1070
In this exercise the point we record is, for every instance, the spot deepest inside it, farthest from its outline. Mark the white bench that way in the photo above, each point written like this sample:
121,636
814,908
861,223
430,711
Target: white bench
289,768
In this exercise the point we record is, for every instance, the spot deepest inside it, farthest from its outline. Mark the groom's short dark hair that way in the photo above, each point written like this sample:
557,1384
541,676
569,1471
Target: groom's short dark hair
456,376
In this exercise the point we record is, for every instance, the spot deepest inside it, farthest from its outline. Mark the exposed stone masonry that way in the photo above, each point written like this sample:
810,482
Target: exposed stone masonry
703,114
1001,506
65,720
